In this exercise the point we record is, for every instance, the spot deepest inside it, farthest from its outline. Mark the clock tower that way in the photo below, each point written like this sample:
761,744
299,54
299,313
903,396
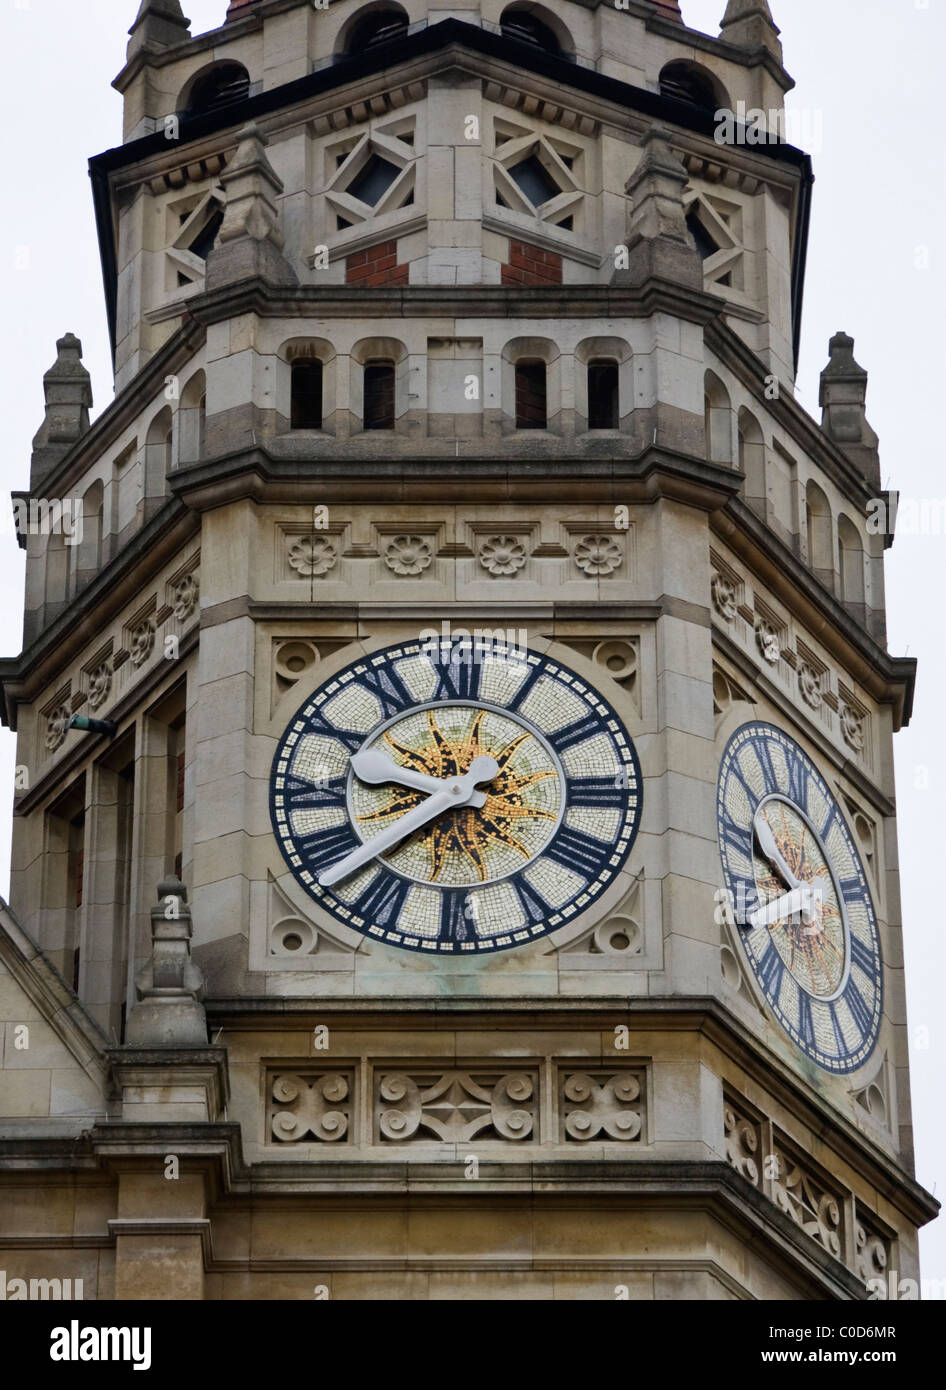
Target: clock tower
455,852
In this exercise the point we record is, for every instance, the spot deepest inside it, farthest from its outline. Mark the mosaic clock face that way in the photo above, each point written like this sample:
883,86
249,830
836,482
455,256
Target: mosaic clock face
455,797
802,905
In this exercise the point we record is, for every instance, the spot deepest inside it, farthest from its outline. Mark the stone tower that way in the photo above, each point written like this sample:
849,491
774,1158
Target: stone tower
455,816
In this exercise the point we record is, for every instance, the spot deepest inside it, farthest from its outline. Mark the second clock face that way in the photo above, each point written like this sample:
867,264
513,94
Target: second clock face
455,797
803,908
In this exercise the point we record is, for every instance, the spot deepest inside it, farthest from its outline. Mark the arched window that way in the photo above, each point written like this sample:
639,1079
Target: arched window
192,419
717,413
381,25
57,572
531,395
306,400
685,81
89,557
221,85
818,523
158,453
603,395
522,23
379,396
850,562
752,460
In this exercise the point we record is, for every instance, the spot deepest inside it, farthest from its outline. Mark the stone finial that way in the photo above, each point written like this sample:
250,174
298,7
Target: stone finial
659,242
843,399
250,240
159,24
67,387
749,24
668,9
238,8
170,986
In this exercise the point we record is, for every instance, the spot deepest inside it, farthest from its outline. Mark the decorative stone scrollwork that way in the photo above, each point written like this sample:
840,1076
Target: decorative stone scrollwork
767,641
311,555
294,658
802,1197
742,1144
306,1108
725,597
57,722
603,1103
502,556
852,727
456,1106
185,597
809,683
100,683
142,642
598,556
871,1253
408,555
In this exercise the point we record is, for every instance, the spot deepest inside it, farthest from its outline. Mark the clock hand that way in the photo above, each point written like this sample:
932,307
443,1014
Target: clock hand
373,765
772,852
456,792
800,899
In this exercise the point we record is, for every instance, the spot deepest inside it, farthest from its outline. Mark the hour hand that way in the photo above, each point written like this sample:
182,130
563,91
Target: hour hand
776,910
453,793
373,766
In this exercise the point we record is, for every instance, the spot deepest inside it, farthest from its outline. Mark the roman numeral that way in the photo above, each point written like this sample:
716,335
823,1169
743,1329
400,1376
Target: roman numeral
859,1008
578,732
863,957
798,783
806,1027
300,793
454,925
383,899
458,680
771,970
852,889
534,906
575,850
328,846
598,792
386,684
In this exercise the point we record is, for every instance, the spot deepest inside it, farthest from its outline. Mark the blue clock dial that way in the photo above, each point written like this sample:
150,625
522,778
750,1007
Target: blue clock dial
801,900
455,796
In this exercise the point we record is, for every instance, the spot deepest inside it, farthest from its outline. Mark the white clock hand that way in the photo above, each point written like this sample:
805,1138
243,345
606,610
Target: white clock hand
772,852
373,765
800,899
456,793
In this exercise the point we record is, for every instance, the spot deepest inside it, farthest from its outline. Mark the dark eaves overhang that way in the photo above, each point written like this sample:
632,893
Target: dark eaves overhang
418,45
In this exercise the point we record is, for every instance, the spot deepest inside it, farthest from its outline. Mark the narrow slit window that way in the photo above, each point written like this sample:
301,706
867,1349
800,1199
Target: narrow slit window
603,413
306,398
531,396
379,396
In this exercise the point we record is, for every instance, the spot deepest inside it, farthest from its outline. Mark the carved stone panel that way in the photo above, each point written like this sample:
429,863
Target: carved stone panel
455,1106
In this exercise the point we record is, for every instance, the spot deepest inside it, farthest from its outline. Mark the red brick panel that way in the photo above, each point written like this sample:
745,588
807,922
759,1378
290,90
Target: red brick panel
528,265
239,8
376,266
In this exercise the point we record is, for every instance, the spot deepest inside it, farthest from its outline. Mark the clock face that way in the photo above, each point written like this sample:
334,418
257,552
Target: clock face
801,902
455,796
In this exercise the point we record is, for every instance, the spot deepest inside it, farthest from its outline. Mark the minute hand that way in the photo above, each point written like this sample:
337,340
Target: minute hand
772,852
457,793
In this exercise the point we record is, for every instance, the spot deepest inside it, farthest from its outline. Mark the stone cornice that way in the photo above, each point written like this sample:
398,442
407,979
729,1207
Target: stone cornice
255,474
673,1013
888,679
118,584
794,419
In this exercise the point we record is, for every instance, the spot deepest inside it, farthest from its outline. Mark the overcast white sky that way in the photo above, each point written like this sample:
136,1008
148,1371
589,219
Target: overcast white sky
869,79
